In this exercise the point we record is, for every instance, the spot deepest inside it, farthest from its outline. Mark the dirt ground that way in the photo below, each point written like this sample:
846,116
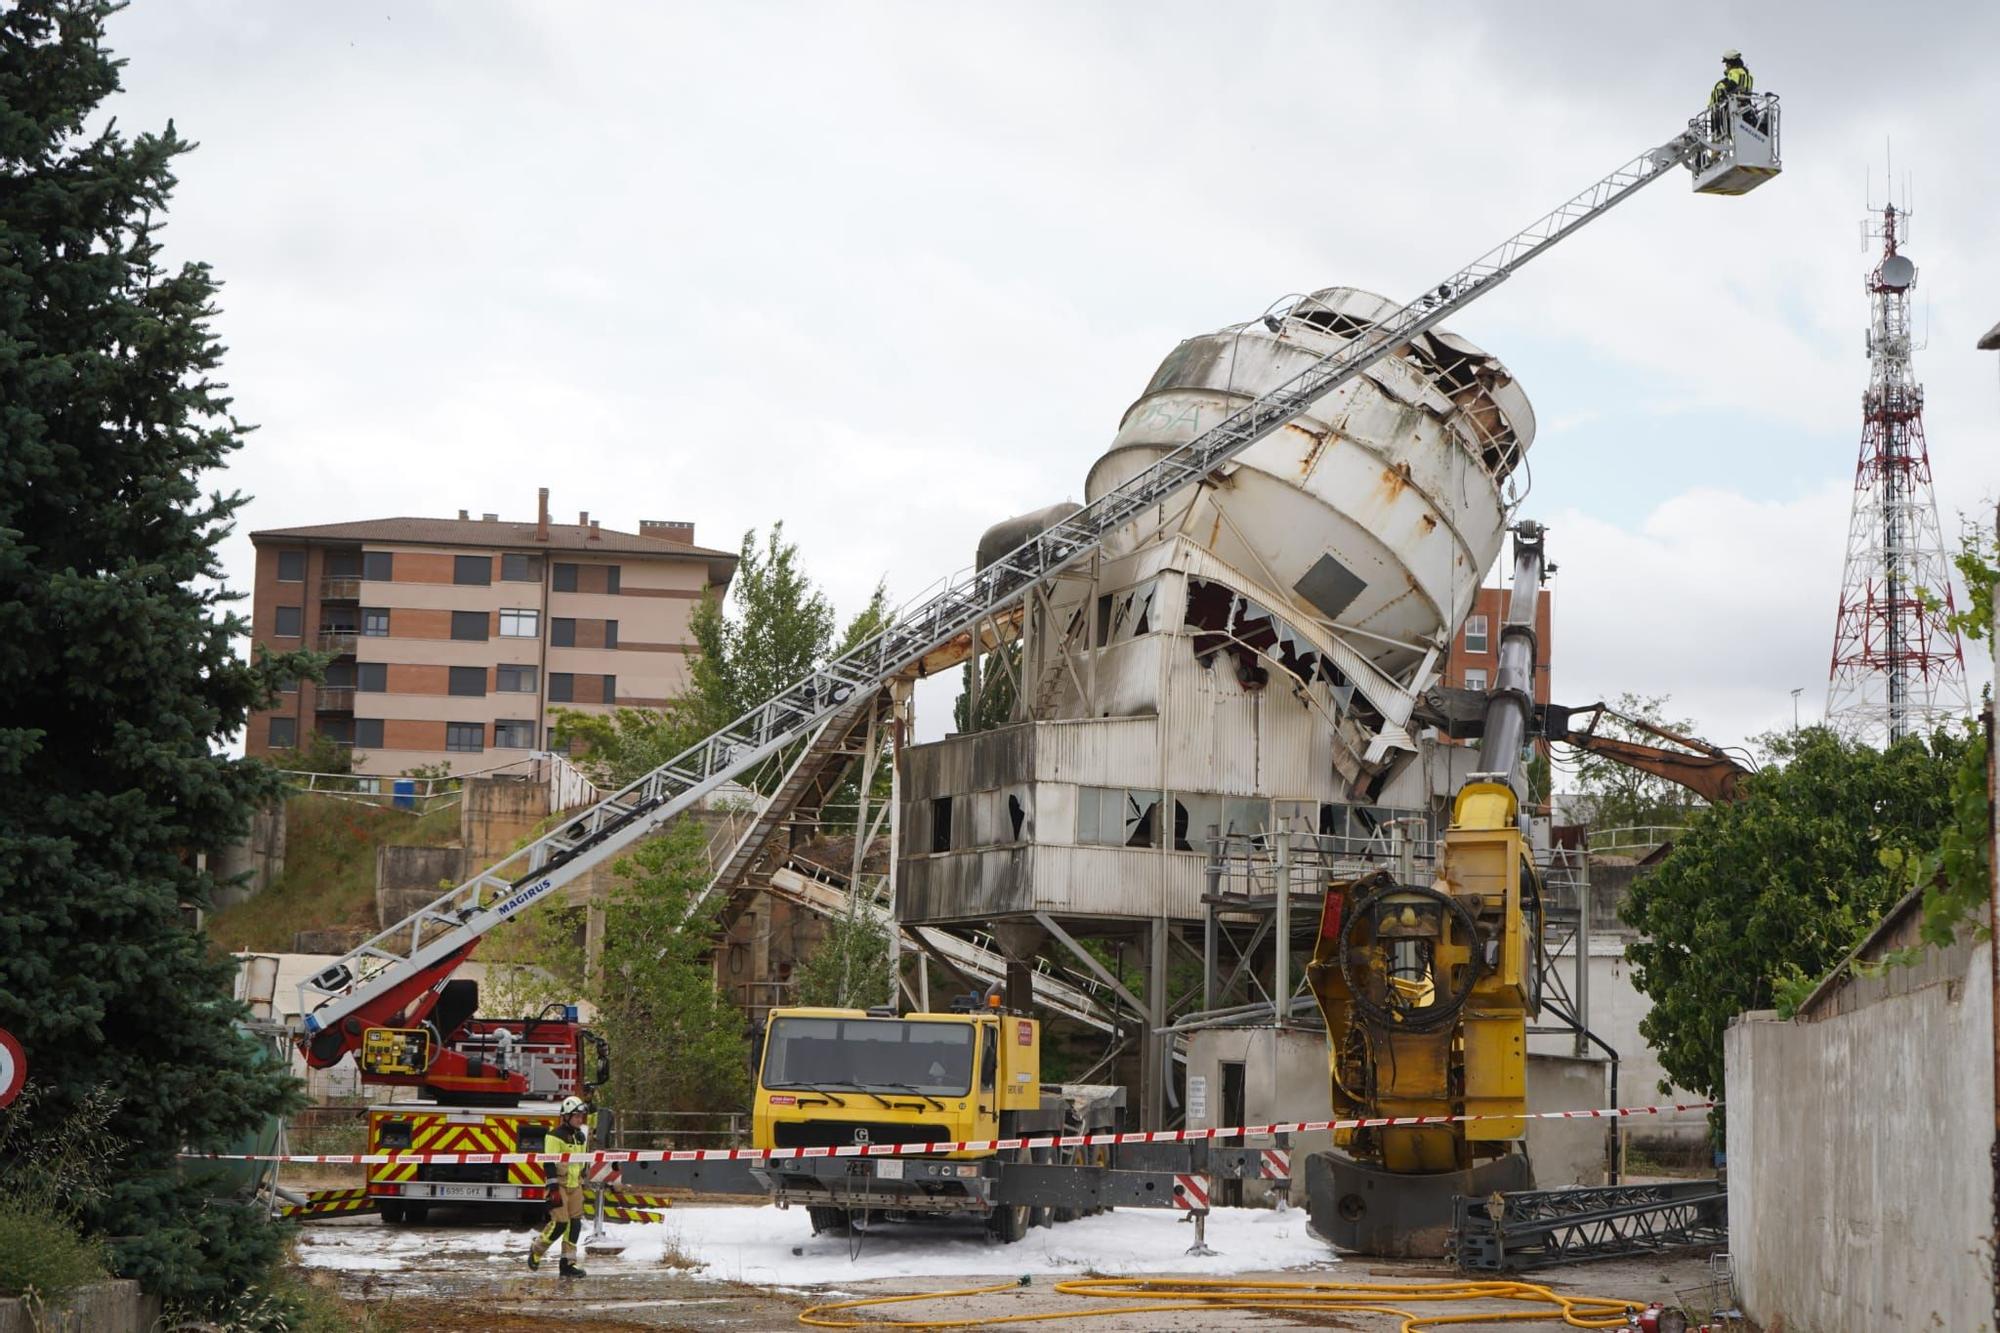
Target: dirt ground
442,1296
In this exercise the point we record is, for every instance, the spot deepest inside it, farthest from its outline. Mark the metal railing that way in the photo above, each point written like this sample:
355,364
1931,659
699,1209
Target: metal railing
333,699
634,1130
339,642
1634,837
340,588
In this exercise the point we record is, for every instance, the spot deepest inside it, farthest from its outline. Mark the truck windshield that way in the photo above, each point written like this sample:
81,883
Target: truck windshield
869,1052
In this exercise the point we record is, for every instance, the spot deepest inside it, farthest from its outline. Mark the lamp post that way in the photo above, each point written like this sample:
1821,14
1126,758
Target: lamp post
1795,706
1991,343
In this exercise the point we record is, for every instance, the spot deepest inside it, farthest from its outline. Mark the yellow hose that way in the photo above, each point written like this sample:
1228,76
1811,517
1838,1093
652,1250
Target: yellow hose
1173,1294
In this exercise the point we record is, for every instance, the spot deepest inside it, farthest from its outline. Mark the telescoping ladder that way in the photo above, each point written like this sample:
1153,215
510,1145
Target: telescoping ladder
430,941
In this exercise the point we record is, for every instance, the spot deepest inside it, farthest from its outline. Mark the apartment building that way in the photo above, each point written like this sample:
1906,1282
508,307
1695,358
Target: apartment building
454,639
1475,653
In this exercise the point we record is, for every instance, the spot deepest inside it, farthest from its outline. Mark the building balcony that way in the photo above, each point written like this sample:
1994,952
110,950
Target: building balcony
334,699
341,588
339,642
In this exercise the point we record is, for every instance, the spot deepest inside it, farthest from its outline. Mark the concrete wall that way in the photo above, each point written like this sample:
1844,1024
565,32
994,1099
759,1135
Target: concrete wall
259,854
499,813
117,1306
1616,1007
1567,1152
408,877
1859,1176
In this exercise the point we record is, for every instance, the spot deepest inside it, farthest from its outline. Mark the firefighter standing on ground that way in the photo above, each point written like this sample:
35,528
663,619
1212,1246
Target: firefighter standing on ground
565,1190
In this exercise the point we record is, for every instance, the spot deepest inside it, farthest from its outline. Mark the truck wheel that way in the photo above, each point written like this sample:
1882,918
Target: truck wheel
392,1213
415,1213
828,1220
1009,1223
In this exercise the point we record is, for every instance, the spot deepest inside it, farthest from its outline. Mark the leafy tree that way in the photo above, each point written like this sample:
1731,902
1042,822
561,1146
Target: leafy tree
118,683
782,627
1778,886
850,968
677,1044
996,694
1615,795
318,755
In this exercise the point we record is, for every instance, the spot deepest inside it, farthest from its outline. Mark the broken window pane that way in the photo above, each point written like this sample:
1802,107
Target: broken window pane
1141,818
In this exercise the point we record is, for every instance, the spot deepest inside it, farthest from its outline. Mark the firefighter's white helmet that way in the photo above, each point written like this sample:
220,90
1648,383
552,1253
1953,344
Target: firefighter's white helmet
574,1106
1732,54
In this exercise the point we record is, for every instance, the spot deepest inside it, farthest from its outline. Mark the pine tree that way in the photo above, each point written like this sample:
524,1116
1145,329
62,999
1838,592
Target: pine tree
118,682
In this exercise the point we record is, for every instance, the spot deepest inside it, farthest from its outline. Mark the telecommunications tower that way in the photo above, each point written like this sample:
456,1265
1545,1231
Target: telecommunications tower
1897,666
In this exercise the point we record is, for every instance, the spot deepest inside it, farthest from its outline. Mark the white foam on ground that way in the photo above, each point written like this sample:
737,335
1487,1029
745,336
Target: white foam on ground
767,1246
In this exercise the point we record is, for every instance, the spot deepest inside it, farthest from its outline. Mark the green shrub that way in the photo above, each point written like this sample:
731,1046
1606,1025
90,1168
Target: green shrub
42,1251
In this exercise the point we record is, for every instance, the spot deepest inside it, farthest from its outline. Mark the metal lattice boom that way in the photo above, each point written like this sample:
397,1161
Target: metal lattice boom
453,923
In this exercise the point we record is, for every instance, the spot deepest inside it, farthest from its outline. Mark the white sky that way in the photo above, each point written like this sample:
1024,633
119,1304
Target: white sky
889,272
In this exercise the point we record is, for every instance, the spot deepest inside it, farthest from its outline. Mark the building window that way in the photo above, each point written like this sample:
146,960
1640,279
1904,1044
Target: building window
468,680
941,823
1247,815
339,676
472,569
520,624
470,624
465,736
379,566
1194,817
1475,679
611,578
1117,817
1475,634
513,735
368,733
284,733
562,687
564,579
344,563
289,686
514,679
371,677
290,623
291,566
520,569
375,621
611,689
562,632
610,634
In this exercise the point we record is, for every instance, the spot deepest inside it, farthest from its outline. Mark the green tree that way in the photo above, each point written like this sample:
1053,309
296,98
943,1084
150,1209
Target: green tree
1615,795
677,1044
1778,886
782,627
996,691
119,686
850,968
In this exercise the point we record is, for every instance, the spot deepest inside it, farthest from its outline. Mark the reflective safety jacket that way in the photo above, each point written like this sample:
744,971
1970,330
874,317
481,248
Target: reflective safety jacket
566,1138
1735,82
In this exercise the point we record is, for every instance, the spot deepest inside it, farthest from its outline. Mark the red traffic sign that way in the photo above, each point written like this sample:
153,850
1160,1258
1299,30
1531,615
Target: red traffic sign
13,1067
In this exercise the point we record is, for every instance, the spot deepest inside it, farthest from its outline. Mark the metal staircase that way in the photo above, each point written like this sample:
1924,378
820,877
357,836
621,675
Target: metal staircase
433,939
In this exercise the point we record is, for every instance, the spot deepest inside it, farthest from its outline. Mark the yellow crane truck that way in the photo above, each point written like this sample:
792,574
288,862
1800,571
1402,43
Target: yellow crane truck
834,1078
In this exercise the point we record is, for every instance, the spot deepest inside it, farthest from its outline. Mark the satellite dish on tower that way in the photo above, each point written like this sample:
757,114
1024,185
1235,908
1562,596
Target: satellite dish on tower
1898,272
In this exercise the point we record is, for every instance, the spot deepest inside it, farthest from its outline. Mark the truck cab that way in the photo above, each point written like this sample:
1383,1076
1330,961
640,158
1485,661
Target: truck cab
856,1079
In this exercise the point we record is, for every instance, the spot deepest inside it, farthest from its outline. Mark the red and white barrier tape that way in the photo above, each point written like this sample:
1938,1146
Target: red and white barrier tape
913,1149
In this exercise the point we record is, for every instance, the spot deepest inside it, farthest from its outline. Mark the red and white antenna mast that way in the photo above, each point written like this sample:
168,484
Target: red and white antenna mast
1898,667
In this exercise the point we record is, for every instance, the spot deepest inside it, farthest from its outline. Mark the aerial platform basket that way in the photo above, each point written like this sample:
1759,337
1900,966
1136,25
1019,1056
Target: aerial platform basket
1737,145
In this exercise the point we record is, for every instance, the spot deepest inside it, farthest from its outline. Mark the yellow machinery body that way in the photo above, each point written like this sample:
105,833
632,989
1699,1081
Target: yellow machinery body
1427,994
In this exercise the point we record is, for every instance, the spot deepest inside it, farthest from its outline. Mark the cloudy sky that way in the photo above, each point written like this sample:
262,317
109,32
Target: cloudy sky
888,272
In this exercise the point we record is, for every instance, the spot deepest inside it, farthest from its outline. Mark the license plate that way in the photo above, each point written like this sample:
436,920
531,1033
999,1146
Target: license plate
889,1169
460,1191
